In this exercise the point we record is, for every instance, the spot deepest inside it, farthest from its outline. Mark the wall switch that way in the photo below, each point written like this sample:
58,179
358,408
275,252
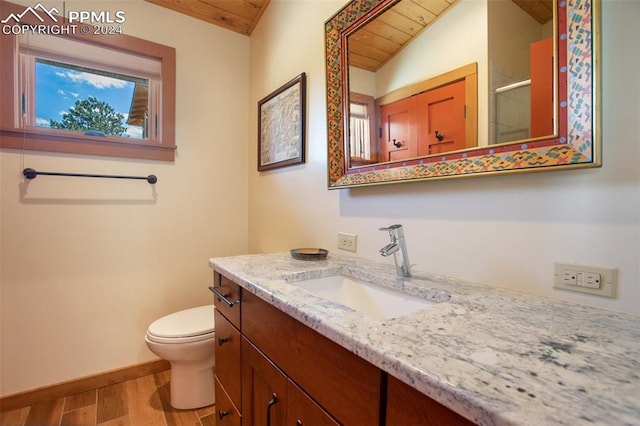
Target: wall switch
347,242
585,279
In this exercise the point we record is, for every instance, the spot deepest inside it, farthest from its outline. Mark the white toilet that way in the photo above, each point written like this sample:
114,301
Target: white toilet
187,340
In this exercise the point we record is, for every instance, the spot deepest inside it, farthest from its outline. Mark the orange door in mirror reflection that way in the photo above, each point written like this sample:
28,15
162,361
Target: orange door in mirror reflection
431,122
441,114
542,88
399,122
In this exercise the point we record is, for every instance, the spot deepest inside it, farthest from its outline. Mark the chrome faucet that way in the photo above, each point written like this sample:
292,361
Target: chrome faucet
398,248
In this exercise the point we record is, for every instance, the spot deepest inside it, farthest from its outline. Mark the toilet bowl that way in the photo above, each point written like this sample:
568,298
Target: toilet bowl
187,340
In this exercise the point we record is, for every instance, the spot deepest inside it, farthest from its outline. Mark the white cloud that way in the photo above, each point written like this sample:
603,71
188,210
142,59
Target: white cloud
42,122
97,81
61,92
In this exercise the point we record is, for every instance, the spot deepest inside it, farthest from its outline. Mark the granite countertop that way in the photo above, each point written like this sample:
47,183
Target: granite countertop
495,356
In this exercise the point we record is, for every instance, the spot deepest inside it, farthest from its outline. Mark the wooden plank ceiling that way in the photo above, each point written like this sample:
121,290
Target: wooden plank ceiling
240,16
371,46
380,40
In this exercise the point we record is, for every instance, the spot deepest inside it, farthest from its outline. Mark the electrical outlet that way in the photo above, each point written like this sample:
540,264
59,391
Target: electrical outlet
347,242
585,279
569,277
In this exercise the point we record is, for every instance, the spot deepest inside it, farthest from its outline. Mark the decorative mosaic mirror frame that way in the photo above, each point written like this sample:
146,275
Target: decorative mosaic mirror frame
576,145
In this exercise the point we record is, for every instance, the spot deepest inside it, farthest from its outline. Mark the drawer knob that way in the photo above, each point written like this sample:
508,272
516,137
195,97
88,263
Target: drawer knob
222,340
222,414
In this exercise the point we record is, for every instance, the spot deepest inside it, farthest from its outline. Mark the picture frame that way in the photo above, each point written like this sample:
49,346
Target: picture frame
281,125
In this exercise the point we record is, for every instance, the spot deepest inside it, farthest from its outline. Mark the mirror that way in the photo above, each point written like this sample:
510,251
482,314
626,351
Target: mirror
355,96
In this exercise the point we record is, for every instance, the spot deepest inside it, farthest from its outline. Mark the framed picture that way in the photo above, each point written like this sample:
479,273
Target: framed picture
281,118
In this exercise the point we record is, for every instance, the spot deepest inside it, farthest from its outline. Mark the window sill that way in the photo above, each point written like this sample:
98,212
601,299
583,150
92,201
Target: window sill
44,140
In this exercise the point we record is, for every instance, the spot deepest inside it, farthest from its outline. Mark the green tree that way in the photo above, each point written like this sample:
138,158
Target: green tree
91,115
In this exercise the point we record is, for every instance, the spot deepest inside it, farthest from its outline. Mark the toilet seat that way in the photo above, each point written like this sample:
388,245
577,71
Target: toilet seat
190,325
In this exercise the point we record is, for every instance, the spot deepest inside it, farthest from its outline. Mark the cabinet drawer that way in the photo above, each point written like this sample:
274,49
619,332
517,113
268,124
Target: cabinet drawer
227,295
226,412
407,406
344,384
228,366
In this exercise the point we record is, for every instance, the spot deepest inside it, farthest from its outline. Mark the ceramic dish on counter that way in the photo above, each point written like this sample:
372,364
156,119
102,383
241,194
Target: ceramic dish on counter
309,253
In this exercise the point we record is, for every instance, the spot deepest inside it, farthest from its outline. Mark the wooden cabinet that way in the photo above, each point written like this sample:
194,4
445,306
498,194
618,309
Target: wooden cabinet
407,406
264,389
227,355
228,358
227,413
344,384
303,411
273,370
227,300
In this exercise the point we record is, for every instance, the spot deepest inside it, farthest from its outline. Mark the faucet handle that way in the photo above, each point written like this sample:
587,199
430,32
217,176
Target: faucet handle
390,228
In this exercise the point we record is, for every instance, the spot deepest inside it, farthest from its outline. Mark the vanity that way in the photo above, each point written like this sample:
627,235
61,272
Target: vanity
474,355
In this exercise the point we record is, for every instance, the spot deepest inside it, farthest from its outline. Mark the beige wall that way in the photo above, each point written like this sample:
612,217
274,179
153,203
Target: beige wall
503,230
87,264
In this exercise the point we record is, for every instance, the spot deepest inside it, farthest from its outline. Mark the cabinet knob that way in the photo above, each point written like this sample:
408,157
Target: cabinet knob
439,136
222,414
298,422
222,340
397,143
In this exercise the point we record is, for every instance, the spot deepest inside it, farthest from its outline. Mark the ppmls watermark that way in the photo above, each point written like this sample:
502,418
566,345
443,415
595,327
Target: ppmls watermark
78,21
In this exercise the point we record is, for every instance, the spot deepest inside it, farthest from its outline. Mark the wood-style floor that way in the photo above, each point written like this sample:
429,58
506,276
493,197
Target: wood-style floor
141,401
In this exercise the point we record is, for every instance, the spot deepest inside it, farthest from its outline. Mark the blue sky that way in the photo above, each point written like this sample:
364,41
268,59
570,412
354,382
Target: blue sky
59,88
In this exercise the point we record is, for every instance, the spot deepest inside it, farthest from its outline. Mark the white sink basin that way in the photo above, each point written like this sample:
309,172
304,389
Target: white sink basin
369,299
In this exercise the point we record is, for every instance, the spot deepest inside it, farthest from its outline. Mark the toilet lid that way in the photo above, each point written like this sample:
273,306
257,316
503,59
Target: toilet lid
187,323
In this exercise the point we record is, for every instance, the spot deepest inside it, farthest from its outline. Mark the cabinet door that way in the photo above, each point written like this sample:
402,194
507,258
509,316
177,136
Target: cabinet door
406,406
264,389
228,366
303,411
344,384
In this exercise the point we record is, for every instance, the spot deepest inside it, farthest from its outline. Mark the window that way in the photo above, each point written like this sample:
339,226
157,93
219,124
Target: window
362,130
359,142
110,95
